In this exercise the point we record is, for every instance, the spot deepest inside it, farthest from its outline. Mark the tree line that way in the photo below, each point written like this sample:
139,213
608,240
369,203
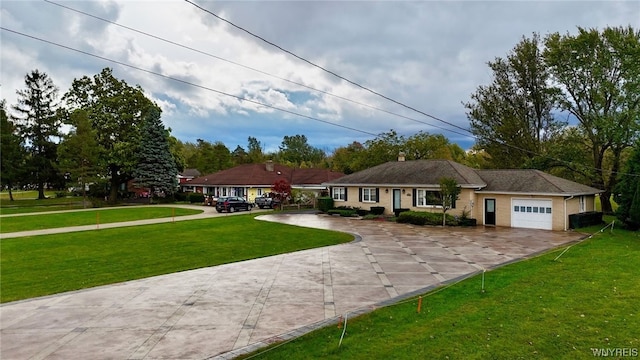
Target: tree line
565,104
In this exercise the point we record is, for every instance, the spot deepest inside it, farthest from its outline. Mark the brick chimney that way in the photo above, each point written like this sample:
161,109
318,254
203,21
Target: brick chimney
401,156
270,165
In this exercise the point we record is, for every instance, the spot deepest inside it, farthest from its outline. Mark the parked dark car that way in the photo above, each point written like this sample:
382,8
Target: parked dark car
267,201
232,204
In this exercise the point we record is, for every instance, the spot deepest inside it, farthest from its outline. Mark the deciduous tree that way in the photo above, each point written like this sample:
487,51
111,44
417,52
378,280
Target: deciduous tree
449,191
116,112
79,154
12,152
599,74
295,150
512,118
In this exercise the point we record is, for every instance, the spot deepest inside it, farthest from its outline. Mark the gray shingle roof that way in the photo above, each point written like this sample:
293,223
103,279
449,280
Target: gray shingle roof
429,172
415,172
531,181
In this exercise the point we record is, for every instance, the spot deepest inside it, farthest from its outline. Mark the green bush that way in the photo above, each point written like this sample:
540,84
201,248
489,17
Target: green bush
62,194
325,204
180,196
424,218
342,212
196,198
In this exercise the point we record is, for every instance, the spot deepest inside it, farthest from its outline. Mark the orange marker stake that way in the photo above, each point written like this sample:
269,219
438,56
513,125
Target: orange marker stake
419,304
340,321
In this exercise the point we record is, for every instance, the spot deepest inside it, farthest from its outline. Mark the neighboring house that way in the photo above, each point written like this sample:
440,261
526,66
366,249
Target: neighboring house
188,175
513,198
253,180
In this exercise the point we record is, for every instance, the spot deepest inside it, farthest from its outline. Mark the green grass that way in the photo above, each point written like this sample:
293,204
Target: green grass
29,203
42,265
89,217
538,308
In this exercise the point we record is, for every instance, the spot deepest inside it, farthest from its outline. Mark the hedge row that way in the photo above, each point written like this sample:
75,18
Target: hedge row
343,212
424,218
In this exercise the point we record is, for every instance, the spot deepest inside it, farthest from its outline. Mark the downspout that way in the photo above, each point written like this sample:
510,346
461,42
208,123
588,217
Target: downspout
565,212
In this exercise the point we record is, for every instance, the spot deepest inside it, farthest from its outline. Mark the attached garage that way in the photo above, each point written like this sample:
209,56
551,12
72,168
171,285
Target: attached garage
531,214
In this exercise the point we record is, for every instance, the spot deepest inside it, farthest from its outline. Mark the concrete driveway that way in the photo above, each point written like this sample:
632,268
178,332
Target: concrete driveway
226,310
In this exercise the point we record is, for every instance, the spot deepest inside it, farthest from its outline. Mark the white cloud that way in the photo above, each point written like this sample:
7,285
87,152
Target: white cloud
430,55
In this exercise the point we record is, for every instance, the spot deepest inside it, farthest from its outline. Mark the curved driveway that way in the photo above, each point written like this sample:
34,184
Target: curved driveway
222,311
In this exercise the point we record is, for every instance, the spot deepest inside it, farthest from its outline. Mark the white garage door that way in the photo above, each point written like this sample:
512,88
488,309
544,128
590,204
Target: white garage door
531,214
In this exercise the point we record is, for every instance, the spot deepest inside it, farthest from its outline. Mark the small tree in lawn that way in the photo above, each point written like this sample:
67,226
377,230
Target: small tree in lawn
282,189
78,153
156,167
449,191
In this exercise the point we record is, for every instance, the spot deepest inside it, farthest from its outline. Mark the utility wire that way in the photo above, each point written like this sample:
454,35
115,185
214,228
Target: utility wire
326,70
184,81
377,93
251,68
568,163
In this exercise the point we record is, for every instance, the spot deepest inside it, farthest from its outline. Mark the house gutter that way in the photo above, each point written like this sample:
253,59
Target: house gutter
566,217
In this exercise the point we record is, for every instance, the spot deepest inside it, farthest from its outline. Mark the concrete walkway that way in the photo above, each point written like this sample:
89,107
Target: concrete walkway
222,311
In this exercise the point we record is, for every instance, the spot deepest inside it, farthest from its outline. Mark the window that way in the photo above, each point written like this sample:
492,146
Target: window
548,210
428,198
339,193
369,195
516,208
535,209
529,209
583,204
259,192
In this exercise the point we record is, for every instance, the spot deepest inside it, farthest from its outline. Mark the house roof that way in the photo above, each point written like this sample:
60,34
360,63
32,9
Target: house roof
258,175
429,172
190,173
531,181
415,172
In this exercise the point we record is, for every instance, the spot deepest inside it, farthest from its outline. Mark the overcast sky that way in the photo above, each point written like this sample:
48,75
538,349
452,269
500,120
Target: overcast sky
429,55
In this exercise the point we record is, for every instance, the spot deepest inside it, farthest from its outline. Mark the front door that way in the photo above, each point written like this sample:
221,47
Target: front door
396,199
489,211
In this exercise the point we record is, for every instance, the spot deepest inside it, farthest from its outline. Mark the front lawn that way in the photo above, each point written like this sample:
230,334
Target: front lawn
88,217
48,264
585,302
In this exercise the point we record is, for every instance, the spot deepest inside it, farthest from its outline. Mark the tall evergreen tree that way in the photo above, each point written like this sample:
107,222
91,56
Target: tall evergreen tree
39,125
11,150
627,191
156,166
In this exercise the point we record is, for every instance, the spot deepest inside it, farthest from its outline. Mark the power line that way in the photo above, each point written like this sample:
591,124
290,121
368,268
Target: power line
326,70
184,81
271,106
251,68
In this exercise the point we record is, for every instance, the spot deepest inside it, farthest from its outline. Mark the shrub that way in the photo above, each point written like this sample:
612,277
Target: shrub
180,196
424,218
362,212
62,194
377,210
196,198
342,212
325,203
